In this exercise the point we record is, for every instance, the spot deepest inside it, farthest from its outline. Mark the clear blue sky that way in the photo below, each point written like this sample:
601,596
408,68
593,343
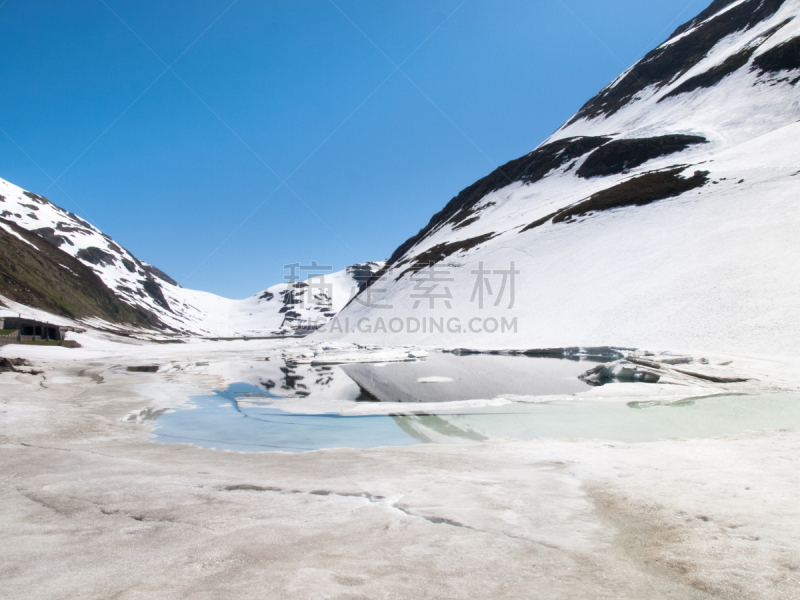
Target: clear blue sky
183,167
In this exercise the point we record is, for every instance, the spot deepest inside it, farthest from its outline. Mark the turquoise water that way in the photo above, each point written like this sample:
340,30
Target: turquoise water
218,421
240,419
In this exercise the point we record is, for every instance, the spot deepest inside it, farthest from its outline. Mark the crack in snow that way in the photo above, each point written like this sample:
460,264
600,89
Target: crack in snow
381,500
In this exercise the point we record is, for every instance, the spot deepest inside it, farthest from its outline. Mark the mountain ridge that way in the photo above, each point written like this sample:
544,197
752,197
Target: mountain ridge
119,292
679,136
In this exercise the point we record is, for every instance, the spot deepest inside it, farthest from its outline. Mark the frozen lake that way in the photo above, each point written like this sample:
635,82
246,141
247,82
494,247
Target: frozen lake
439,378
245,417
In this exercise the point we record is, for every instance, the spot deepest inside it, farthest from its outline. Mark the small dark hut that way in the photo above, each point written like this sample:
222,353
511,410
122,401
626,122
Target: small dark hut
30,328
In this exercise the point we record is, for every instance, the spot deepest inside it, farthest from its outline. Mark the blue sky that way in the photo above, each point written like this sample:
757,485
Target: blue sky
297,130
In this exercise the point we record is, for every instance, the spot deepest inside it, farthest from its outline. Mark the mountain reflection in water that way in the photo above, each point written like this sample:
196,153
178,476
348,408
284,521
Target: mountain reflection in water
479,376
259,416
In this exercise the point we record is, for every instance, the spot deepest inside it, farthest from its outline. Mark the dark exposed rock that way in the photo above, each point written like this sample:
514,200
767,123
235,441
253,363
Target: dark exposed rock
719,72
529,169
714,75
9,364
129,265
156,272
666,63
95,256
783,57
70,228
36,197
622,155
154,290
441,251
291,380
363,273
466,223
715,7
621,370
538,222
81,221
49,234
292,299
638,191
266,296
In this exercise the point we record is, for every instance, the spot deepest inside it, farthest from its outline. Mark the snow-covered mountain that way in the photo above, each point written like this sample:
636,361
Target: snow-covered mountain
283,309
151,300
665,213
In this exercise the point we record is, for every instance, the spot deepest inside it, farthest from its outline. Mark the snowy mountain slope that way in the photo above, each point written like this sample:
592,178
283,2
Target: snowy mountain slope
663,214
283,309
133,281
142,296
39,275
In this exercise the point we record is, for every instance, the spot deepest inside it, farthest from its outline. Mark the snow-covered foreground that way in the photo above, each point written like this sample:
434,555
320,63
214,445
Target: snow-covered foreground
94,508
485,476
